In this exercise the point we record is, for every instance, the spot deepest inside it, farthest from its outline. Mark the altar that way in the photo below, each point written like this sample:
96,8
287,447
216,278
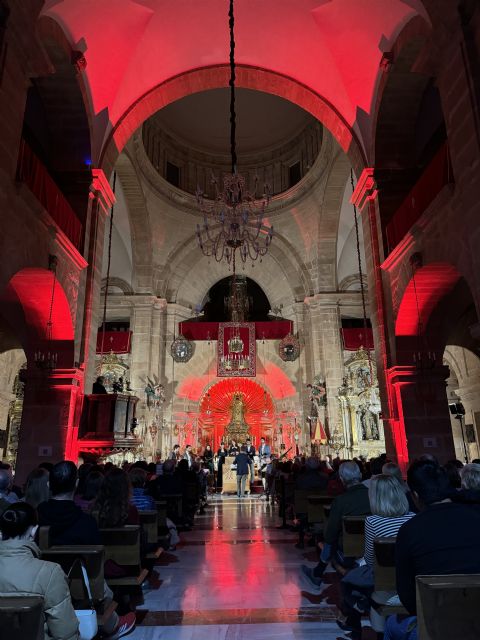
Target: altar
229,476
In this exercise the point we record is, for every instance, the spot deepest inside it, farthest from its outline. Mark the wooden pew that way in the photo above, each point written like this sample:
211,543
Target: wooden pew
353,536
174,506
149,524
122,546
384,600
316,504
21,617
448,607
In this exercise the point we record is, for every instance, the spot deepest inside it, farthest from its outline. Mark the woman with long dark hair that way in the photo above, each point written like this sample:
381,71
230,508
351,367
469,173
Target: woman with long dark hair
112,507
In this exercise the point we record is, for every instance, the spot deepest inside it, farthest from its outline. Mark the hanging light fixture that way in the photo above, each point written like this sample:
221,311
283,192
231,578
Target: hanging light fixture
46,360
233,222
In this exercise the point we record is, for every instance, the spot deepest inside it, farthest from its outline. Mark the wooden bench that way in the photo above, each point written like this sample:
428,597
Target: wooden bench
149,524
448,607
383,600
316,504
174,506
122,546
353,536
93,557
21,618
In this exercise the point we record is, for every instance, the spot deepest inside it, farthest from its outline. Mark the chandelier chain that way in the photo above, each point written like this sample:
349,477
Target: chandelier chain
109,261
233,115
360,273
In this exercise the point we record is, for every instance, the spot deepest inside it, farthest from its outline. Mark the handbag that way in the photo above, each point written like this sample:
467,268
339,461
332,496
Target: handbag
87,618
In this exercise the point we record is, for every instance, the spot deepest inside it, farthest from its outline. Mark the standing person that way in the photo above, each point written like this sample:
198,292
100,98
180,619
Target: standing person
251,456
175,454
221,455
188,455
99,386
233,450
208,458
243,466
264,450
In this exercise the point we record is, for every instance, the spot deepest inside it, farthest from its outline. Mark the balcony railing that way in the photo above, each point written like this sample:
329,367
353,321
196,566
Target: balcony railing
435,176
34,174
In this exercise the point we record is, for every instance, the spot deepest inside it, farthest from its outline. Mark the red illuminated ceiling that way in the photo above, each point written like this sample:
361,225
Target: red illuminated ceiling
433,282
333,47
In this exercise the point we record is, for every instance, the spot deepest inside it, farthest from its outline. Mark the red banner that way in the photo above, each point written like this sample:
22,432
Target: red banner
236,353
353,339
116,341
269,330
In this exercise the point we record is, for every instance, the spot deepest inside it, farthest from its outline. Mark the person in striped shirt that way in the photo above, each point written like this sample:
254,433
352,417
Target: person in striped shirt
390,510
139,498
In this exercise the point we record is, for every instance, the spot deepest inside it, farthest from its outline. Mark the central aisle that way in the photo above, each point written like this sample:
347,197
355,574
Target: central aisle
235,576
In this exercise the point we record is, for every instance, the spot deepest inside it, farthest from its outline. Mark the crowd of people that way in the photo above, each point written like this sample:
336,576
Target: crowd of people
434,516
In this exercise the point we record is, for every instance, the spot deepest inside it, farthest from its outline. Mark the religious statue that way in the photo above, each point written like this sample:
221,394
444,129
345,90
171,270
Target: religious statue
237,428
368,424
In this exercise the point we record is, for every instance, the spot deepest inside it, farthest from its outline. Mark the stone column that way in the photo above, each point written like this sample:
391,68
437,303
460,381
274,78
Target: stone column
100,202
422,424
327,349
365,199
49,427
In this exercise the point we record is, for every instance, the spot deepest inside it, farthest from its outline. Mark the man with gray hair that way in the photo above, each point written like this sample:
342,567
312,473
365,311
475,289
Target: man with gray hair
354,502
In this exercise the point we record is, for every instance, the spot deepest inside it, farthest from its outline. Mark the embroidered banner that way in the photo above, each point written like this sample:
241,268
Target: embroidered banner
236,350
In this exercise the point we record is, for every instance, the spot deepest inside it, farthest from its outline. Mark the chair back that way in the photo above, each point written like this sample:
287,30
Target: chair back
301,500
384,564
43,538
122,545
316,507
354,536
149,524
448,607
93,557
161,515
21,617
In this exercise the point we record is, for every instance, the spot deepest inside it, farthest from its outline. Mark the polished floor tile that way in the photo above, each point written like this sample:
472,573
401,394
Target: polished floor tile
236,576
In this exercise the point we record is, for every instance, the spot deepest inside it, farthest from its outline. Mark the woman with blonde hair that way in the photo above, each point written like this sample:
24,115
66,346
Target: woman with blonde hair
390,510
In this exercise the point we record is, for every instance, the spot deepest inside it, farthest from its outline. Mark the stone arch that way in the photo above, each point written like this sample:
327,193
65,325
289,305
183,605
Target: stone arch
26,305
185,260
118,283
217,76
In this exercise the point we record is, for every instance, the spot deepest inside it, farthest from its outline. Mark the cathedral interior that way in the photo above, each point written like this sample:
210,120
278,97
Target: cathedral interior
231,222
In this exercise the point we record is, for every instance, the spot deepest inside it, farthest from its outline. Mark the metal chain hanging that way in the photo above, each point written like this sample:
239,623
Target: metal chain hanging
362,286
109,260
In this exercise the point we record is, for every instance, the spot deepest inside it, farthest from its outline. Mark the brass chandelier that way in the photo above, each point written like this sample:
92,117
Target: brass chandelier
233,223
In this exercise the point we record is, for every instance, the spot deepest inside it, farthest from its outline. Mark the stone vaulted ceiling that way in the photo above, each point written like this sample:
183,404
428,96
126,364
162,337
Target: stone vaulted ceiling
333,47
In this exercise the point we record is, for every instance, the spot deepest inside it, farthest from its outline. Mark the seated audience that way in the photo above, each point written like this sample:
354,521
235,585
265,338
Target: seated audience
36,487
112,506
139,498
312,477
389,507
14,492
442,539
22,572
91,487
169,483
7,496
453,471
470,489
354,502
392,469
68,523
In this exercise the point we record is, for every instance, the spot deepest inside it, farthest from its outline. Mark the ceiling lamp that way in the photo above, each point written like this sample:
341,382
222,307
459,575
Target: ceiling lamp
233,222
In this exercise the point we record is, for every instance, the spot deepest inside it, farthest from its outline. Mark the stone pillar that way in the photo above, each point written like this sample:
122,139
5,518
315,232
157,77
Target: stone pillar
327,349
49,427
365,199
100,203
141,326
422,422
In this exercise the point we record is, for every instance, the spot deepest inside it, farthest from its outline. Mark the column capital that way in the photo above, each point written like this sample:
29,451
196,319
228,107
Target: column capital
101,190
365,190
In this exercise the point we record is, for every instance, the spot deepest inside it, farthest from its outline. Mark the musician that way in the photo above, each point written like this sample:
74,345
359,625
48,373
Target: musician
175,454
264,450
234,448
208,458
251,457
188,455
221,455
